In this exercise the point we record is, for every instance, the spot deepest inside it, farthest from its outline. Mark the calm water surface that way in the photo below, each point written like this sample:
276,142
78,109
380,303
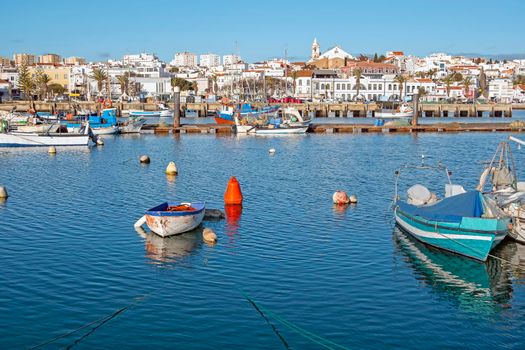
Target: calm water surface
69,254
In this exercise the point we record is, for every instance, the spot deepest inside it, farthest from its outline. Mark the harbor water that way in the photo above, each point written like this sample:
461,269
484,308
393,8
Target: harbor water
290,270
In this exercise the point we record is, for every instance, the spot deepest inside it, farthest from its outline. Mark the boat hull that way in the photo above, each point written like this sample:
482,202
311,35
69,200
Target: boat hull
166,224
109,130
36,140
281,131
467,238
393,115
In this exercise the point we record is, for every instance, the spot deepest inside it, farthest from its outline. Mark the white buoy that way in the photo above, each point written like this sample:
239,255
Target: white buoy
209,236
171,169
271,151
3,192
353,199
52,150
144,159
100,142
340,197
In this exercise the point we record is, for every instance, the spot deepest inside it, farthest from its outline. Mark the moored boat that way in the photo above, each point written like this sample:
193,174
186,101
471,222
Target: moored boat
171,218
466,223
24,139
132,125
404,111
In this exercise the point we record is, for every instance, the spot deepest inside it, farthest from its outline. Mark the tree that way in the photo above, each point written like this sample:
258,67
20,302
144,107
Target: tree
183,84
100,77
431,73
376,59
56,89
401,81
42,81
421,91
520,79
174,69
467,82
448,81
362,57
123,81
357,74
25,82
457,77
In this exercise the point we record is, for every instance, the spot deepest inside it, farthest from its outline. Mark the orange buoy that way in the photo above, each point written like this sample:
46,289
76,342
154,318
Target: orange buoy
233,193
340,197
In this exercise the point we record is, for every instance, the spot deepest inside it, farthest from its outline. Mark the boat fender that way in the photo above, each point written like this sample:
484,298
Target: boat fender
140,222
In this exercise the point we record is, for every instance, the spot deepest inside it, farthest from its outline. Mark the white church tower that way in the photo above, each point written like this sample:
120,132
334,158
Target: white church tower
315,50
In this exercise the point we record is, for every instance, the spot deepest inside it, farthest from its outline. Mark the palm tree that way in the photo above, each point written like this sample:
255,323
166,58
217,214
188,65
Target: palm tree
357,74
42,81
431,73
448,81
421,92
100,77
123,81
467,82
400,80
25,82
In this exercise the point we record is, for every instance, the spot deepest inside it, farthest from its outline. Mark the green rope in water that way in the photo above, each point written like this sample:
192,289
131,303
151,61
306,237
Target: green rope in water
326,343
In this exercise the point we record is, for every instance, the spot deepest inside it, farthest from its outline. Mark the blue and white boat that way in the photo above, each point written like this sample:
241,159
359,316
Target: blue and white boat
466,223
227,113
171,218
106,124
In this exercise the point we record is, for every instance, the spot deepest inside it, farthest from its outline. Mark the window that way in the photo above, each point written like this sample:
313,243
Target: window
338,86
317,86
380,86
395,87
327,86
322,86
389,86
300,82
308,83
369,87
375,86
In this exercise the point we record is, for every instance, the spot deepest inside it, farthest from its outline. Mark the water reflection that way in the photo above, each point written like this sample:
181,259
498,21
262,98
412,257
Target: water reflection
474,286
170,250
233,215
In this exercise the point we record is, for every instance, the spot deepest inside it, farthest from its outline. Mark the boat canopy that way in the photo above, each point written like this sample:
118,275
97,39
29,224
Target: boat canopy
452,209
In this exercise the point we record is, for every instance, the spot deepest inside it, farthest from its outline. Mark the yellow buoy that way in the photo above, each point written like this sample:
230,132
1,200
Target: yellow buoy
52,150
209,236
3,192
172,169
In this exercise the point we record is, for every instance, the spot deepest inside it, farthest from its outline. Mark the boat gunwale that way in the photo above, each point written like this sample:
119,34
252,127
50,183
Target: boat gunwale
200,206
466,230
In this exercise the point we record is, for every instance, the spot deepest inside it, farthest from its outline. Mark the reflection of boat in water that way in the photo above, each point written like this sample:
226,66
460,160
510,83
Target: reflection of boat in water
170,249
480,288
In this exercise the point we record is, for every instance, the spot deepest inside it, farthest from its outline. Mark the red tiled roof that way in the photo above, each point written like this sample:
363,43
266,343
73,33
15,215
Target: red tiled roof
304,73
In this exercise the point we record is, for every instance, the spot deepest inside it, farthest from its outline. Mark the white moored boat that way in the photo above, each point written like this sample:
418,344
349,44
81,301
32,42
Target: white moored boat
171,218
404,111
24,139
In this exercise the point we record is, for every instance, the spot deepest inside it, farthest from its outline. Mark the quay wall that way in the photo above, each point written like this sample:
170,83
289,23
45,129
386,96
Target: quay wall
311,109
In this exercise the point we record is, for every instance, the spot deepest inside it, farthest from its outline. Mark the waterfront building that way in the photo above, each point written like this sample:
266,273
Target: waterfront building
24,58
501,90
75,61
49,58
209,60
184,59
370,68
5,89
10,74
518,94
59,74
229,60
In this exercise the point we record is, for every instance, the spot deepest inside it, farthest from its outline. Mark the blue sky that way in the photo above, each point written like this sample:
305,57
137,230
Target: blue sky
99,30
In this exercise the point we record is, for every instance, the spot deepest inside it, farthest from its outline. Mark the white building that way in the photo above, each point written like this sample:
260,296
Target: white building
210,60
501,90
184,59
140,60
230,59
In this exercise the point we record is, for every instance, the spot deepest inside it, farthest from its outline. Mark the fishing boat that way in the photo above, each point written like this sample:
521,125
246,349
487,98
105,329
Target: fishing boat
106,124
24,139
132,125
403,111
171,218
286,121
226,115
504,189
464,222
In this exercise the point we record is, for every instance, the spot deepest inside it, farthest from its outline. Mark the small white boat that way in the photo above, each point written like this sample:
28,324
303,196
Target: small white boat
106,130
171,218
132,125
404,111
23,139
